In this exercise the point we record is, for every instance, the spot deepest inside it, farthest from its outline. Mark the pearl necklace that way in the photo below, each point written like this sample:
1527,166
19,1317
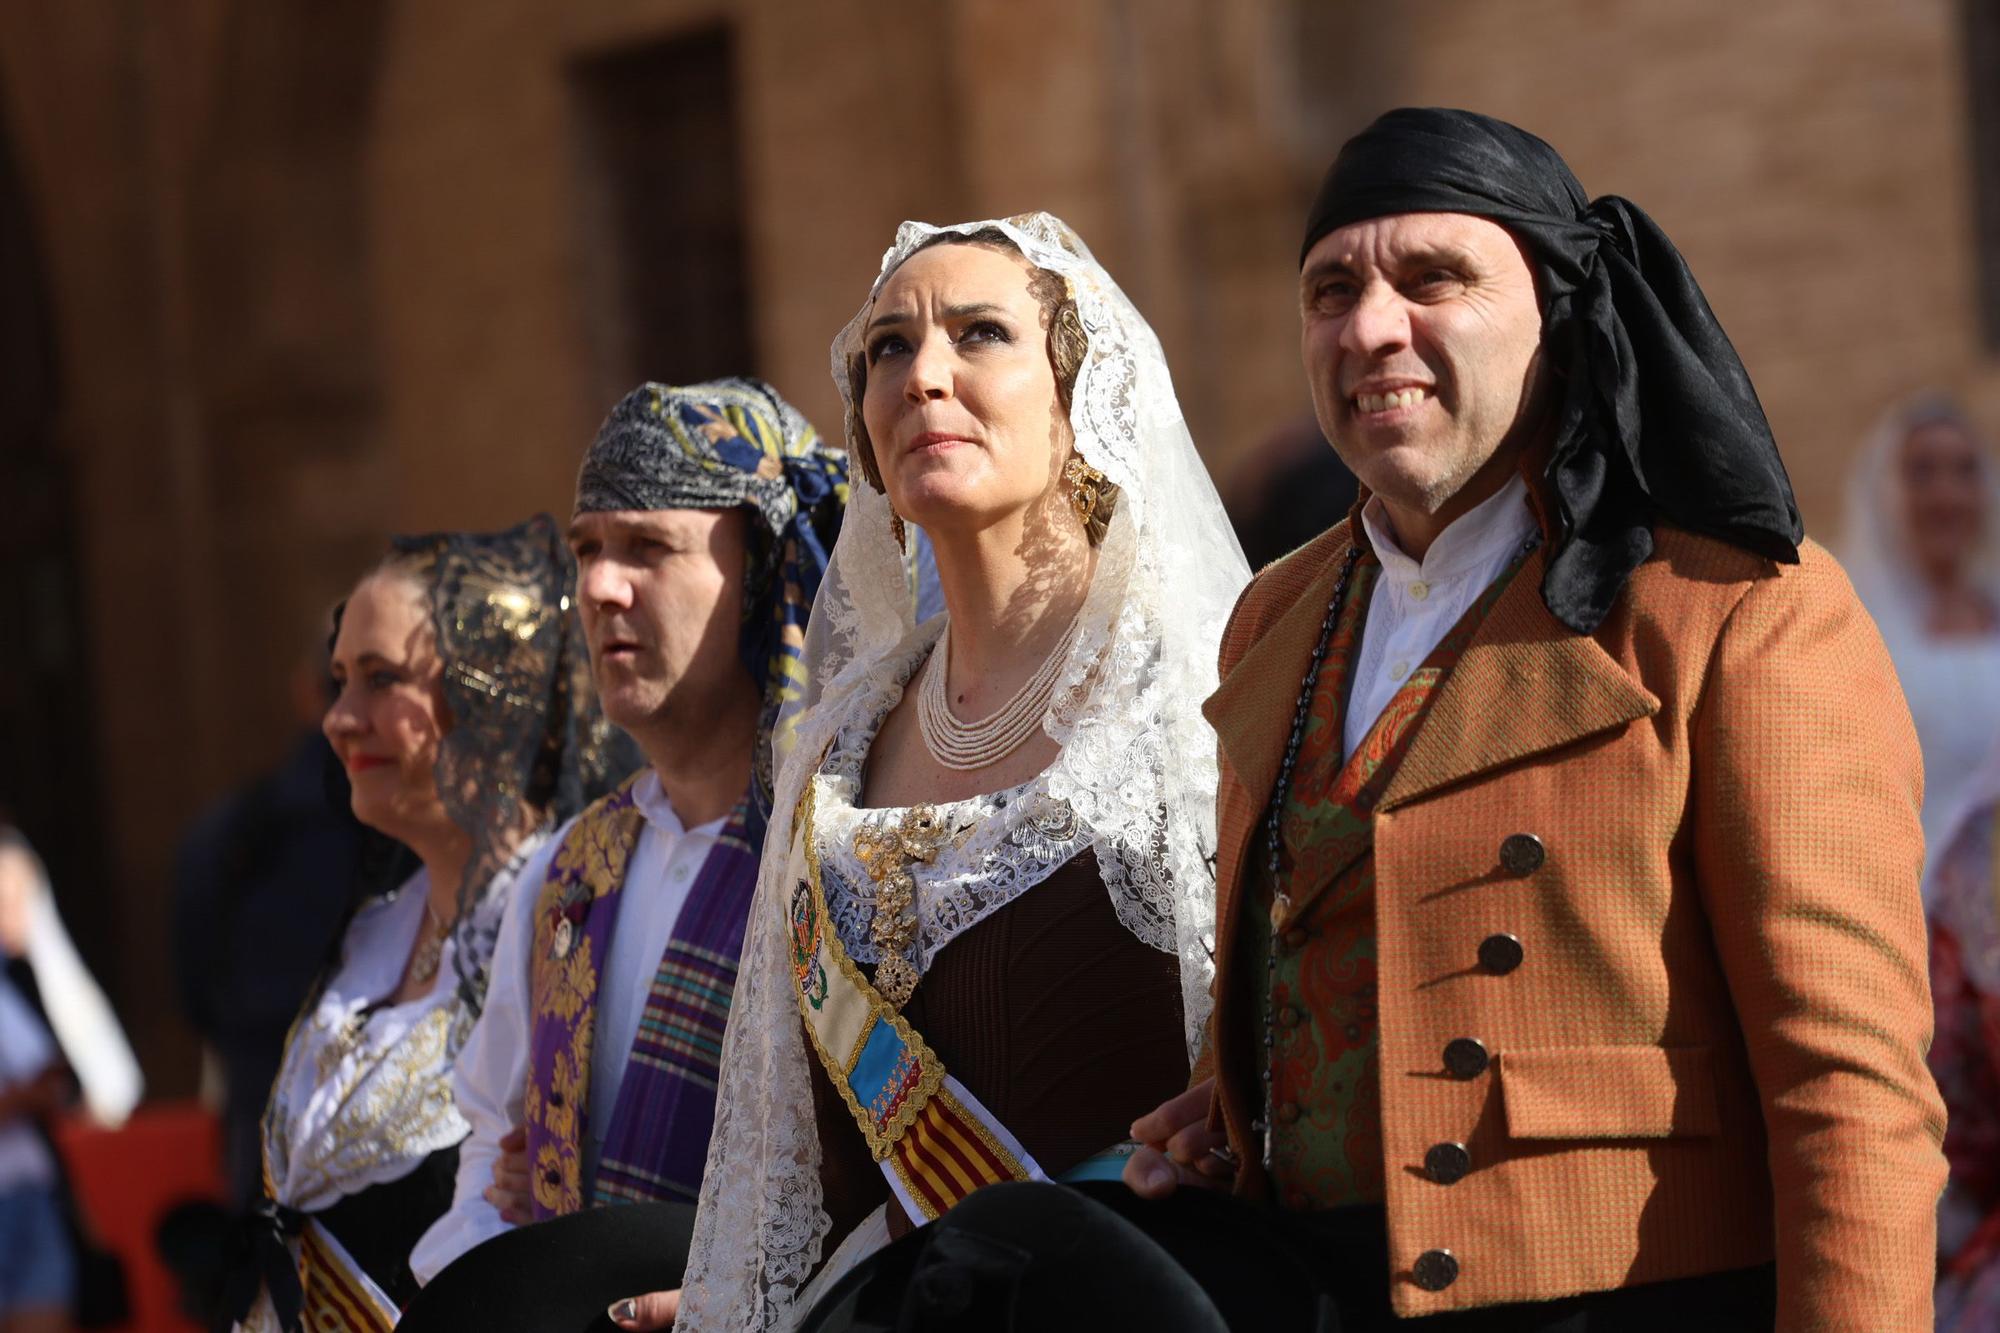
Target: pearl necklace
965,746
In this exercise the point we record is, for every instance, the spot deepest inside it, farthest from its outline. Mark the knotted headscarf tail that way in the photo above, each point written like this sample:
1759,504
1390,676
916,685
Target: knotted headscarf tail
1658,417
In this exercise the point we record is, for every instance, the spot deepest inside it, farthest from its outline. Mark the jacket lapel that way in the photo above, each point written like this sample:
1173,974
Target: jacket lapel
1251,710
1527,684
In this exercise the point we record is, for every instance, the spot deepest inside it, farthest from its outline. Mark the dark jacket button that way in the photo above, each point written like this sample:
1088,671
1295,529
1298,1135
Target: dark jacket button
555,1097
1288,1113
1447,1163
552,1177
1435,1270
1500,954
1291,1016
1522,854
1465,1057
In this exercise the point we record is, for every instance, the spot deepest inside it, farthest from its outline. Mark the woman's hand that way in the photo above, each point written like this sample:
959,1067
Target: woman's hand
510,1191
1178,1148
656,1310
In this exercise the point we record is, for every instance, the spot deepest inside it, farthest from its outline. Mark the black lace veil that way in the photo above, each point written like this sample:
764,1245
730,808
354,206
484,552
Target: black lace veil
526,746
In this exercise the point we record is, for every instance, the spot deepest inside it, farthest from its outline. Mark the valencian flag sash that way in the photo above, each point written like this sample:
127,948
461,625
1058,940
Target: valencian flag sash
338,1296
933,1140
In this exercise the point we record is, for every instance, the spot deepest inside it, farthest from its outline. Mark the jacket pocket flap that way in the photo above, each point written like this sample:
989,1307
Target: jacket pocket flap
1609,1092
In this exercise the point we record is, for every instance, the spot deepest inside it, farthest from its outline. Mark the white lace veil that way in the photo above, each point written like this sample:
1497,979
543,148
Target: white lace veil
1137,763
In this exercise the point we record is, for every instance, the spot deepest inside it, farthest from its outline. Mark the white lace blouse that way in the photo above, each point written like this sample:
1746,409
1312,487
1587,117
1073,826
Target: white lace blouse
998,845
363,1094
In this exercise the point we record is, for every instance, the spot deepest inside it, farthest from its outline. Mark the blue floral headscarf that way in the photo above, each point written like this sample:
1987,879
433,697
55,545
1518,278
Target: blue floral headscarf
718,445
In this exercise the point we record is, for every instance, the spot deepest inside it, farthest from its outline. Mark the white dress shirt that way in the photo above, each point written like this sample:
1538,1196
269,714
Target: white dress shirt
1417,602
491,1076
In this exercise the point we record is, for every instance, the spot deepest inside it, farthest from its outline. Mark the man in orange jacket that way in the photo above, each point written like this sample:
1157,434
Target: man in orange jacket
1570,960
1570,952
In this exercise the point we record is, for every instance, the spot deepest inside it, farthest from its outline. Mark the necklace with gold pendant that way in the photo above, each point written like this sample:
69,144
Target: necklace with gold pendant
424,962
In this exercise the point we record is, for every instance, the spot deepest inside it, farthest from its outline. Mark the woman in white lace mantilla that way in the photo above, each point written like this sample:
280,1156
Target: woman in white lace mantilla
982,930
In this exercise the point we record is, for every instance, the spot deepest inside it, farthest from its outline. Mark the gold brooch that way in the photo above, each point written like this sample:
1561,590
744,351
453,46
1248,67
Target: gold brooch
888,852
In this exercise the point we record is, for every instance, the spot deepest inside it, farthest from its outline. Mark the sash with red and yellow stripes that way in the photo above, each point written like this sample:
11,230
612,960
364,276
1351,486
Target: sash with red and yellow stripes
932,1138
339,1297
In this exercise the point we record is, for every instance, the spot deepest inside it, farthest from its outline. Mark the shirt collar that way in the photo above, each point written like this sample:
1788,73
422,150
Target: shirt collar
1487,532
651,798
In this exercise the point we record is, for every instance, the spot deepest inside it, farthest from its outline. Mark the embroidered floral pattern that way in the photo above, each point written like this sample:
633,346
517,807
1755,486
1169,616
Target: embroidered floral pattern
567,953
806,968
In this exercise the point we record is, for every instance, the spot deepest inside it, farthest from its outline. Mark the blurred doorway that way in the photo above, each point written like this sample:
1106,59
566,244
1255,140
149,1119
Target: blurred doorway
661,211
48,743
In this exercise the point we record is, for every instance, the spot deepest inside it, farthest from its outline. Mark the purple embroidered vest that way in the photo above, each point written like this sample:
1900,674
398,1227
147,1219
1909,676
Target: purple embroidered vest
656,1141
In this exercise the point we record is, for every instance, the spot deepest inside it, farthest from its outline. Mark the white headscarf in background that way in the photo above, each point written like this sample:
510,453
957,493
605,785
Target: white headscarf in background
1875,545
1952,684
1137,763
85,1028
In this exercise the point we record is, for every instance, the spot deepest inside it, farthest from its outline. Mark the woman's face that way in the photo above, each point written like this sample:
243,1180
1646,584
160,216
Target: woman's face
961,400
1943,500
389,714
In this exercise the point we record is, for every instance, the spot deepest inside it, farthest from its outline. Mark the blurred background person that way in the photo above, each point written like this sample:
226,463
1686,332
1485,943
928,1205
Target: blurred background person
37,1257
1963,888
42,961
1289,489
262,885
59,1043
467,726
1923,549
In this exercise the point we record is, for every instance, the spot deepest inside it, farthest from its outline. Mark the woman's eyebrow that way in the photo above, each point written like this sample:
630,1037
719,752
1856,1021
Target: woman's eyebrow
968,311
888,318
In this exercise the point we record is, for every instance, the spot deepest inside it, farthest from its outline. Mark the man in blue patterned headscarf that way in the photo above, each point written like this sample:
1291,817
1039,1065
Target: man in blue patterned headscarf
704,517
724,445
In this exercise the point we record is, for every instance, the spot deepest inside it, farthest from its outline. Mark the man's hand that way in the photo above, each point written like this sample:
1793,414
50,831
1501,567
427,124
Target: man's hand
510,1191
656,1310
1178,1148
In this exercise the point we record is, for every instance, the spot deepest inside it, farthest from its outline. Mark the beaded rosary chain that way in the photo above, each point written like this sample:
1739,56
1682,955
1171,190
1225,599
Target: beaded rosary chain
1274,821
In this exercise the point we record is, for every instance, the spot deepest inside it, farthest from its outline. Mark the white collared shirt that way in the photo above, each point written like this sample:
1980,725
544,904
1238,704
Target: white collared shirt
1417,602
490,1078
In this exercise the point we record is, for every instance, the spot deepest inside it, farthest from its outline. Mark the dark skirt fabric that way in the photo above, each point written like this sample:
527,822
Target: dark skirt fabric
1052,1258
1060,1021
382,1224
558,1276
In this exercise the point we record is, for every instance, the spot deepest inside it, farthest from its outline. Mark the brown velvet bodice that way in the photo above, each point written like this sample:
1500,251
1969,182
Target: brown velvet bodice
1058,1019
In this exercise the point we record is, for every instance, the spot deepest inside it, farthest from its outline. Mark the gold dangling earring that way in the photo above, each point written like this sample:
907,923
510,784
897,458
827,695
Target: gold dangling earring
1085,483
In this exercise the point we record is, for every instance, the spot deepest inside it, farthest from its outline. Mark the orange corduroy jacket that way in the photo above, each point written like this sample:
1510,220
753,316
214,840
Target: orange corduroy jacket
1711,1052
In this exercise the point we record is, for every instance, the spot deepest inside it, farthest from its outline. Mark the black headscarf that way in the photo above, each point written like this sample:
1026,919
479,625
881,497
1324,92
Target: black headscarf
1657,416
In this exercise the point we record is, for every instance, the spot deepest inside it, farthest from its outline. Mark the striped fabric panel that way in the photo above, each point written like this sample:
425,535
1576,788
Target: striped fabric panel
944,1156
656,1143
622,1183
334,1302
686,1011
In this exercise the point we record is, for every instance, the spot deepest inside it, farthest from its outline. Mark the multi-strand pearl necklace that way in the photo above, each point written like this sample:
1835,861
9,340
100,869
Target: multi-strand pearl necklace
965,746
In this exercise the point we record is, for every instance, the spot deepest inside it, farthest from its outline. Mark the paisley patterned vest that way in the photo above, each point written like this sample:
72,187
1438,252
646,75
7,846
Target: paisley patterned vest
1326,1134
